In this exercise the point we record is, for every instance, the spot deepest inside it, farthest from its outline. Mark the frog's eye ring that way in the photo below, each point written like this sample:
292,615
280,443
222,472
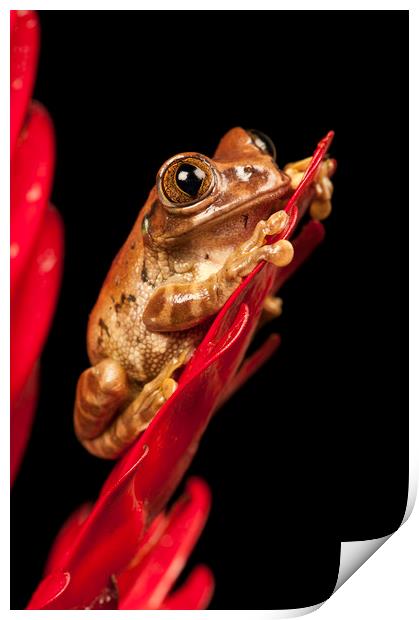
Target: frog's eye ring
186,180
263,142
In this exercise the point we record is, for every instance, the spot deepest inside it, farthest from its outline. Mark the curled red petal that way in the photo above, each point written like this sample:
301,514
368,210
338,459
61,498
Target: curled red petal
24,49
50,588
30,185
195,593
146,585
34,302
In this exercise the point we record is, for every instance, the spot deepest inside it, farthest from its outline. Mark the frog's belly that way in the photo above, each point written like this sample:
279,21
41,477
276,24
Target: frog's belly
123,337
146,353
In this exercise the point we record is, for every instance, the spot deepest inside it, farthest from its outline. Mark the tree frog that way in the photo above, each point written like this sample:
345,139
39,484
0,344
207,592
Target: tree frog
201,231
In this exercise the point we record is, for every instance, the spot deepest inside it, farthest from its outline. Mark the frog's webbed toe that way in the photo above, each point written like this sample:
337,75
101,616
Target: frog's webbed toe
243,260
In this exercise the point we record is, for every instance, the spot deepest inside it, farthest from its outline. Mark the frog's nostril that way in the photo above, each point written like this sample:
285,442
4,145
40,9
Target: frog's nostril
263,142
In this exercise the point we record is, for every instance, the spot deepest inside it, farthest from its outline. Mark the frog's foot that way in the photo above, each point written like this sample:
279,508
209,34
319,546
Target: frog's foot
272,308
101,391
135,418
321,205
249,253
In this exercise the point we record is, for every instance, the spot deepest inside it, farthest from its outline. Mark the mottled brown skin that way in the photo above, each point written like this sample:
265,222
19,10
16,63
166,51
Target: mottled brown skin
177,268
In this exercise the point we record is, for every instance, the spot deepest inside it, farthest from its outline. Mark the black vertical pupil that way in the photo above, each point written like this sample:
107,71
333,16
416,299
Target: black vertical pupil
189,179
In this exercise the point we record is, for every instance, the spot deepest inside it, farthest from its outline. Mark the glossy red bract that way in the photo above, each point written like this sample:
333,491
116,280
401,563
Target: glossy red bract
146,581
36,235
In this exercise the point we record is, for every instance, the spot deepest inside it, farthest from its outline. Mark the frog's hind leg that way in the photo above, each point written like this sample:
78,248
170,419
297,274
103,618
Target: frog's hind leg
131,421
101,391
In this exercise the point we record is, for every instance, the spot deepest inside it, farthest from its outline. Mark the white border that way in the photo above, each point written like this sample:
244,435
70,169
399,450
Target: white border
210,5
386,587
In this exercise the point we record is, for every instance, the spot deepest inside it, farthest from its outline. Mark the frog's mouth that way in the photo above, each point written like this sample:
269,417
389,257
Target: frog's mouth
210,217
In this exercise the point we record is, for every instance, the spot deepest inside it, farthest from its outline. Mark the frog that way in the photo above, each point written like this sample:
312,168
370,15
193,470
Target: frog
204,227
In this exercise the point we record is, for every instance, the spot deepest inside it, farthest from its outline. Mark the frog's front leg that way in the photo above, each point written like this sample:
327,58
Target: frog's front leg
179,306
106,420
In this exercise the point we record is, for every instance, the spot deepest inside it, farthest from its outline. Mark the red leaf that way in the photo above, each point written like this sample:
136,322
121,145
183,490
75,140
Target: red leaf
24,49
34,302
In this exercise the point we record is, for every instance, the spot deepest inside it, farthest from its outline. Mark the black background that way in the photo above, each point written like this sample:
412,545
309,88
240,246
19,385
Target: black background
313,450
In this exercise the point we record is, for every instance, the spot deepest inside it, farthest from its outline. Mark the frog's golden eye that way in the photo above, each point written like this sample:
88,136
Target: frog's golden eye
187,180
263,142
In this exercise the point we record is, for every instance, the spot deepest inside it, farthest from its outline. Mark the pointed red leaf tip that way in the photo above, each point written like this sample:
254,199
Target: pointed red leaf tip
196,592
49,590
300,194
